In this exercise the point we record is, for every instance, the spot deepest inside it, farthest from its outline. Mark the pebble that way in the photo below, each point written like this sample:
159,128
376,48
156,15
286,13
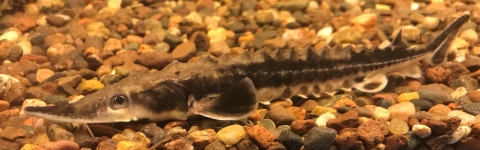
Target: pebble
372,133
466,119
381,113
401,110
396,142
406,97
321,121
472,108
4,105
346,120
422,131
290,140
398,127
301,127
319,138
440,110
280,115
261,135
201,139
422,105
346,139
130,145
459,133
61,144
231,135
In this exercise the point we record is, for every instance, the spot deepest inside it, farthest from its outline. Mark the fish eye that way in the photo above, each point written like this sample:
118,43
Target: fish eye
118,100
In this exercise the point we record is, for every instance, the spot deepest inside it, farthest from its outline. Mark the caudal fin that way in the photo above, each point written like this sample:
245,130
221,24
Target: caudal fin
236,103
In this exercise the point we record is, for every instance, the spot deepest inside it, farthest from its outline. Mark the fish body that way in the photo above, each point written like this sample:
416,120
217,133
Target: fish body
230,87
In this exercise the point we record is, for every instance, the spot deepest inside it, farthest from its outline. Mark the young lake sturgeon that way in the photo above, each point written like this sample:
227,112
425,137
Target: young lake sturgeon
230,88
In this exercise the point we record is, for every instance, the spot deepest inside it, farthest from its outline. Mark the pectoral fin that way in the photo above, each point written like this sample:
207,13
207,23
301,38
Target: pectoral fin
236,103
372,84
413,71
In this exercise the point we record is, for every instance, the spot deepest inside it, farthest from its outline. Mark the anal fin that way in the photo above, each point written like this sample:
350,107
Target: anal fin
372,84
236,103
413,71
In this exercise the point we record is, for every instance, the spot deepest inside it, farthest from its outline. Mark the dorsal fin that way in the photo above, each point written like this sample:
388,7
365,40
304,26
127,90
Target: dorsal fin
398,40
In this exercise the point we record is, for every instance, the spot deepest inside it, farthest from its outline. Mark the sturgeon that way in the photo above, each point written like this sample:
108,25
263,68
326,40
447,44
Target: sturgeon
232,87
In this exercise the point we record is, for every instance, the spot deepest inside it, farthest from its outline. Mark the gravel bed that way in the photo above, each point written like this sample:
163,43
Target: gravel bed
54,52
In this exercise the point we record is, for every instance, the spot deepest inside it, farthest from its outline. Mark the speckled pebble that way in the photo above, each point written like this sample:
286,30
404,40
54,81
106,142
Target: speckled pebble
319,137
472,108
290,140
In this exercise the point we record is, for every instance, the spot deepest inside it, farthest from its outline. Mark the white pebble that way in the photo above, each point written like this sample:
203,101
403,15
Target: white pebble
26,47
430,22
114,4
10,35
421,130
459,92
324,33
414,6
467,119
459,133
6,82
469,35
41,21
129,133
321,121
231,135
381,112
31,102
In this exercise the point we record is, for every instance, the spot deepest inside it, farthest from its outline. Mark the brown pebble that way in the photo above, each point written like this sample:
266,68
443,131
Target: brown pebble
391,97
437,74
301,127
346,120
439,109
437,142
277,146
246,144
395,142
476,130
308,105
468,143
280,115
184,51
62,144
474,96
372,133
298,112
344,102
174,124
346,139
438,127
49,87
4,105
261,135
105,146
452,124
